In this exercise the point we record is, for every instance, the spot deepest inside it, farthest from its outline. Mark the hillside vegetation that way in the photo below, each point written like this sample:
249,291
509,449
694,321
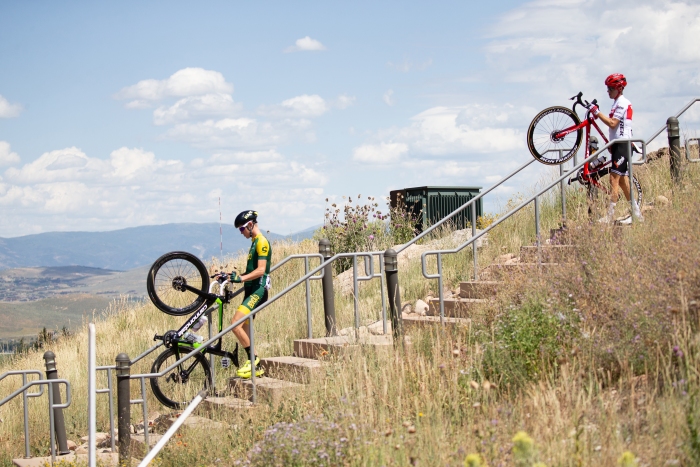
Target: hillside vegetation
591,364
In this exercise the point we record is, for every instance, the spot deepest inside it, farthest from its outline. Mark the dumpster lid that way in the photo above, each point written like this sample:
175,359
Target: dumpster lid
445,188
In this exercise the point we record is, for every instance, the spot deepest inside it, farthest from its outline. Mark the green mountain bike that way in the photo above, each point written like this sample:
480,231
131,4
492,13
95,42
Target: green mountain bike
178,284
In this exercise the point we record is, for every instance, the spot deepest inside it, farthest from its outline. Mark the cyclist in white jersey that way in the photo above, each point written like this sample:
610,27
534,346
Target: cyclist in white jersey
620,123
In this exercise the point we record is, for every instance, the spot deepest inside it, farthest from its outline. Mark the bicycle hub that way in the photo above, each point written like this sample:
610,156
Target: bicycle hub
179,283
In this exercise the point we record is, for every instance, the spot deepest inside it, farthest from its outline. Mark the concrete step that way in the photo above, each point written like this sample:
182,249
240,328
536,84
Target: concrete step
103,458
296,369
550,254
456,307
337,345
502,271
478,289
225,403
417,322
269,390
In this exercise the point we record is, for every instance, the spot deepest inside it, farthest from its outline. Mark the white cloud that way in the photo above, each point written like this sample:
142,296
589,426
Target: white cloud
305,44
241,133
383,153
8,110
304,106
407,65
7,157
68,190
190,108
651,42
451,131
183,83
344,101
388,97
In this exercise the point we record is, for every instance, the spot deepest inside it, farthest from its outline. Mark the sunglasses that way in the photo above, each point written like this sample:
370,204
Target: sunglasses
243,227
611,89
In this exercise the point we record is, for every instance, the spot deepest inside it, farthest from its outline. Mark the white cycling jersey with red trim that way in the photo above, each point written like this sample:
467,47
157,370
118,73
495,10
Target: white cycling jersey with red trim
621,110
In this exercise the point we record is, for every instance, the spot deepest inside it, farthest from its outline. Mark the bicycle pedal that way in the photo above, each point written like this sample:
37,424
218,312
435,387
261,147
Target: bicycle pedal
225,362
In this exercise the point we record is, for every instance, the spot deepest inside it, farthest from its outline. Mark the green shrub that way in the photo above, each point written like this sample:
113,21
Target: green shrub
526,340
311,441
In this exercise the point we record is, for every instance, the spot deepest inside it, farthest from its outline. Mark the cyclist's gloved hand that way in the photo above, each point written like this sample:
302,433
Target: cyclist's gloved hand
234,277
594,110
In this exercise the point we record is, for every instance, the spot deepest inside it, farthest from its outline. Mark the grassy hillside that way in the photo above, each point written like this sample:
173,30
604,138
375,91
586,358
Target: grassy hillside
54,297
590,364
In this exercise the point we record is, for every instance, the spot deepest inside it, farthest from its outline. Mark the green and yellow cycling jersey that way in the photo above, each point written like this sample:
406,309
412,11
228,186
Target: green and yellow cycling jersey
259,249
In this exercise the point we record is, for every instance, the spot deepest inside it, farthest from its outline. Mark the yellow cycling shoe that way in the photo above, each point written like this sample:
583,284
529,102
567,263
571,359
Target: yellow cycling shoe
246,370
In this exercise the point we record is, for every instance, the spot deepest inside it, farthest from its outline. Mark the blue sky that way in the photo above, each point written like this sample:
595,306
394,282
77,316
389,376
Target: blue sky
132,113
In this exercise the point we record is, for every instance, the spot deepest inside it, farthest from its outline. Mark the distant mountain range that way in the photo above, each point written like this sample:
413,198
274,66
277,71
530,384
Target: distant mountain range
124,249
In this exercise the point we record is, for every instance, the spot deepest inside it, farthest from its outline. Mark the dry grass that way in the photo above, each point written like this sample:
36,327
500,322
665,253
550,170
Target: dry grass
590,360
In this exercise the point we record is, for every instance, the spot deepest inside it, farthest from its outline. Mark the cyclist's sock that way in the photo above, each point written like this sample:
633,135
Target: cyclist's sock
611,210
247,351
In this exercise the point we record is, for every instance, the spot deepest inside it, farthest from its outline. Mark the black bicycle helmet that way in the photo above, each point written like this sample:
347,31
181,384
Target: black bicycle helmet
593,143
245,217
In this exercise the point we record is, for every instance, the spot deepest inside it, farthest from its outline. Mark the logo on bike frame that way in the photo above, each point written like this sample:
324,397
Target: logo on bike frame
192,320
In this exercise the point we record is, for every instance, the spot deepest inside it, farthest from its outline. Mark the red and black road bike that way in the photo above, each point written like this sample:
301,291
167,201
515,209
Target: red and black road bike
555,135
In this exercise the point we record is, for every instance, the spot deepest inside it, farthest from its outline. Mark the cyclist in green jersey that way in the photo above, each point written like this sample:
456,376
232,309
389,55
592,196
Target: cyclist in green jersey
256,281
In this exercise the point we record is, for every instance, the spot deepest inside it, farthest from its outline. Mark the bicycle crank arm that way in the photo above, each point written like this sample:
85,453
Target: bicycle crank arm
195,291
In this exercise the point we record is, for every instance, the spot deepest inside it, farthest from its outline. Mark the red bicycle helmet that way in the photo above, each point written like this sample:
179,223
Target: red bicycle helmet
616,80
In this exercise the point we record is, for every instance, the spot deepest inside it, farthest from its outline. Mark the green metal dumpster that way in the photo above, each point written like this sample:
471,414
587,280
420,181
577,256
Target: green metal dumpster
430,204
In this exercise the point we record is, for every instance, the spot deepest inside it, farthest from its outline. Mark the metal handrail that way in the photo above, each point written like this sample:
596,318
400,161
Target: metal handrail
306,257
535,198
173,428
681,112
308,276
471,202
258,310
52,406
25,399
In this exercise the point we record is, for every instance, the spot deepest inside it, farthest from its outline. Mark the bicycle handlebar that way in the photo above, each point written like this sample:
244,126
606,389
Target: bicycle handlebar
582,103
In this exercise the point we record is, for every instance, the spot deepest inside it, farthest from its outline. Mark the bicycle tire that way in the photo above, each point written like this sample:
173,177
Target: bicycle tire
540,141
178,387
636,188
168,273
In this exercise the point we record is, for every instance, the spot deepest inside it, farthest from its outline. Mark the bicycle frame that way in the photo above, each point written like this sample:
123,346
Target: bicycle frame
176,340
586,123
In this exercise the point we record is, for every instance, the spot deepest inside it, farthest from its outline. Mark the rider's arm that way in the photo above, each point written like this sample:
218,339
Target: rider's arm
257,272
610,122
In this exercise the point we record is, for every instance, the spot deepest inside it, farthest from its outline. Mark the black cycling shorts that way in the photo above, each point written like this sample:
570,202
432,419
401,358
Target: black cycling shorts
252,299
619,161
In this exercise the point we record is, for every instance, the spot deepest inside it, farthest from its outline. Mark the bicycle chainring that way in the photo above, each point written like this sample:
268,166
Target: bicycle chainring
168,338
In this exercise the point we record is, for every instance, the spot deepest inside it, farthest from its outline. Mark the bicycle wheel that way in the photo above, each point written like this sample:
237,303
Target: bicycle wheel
636,191
179,386
166,280
542,143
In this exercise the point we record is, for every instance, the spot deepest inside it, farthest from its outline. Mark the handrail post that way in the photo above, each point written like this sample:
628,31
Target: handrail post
59,422
563,195
391,269
25,399
537,230
124,408
474,248
92,395
674,148
252,358
324,248
309,330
